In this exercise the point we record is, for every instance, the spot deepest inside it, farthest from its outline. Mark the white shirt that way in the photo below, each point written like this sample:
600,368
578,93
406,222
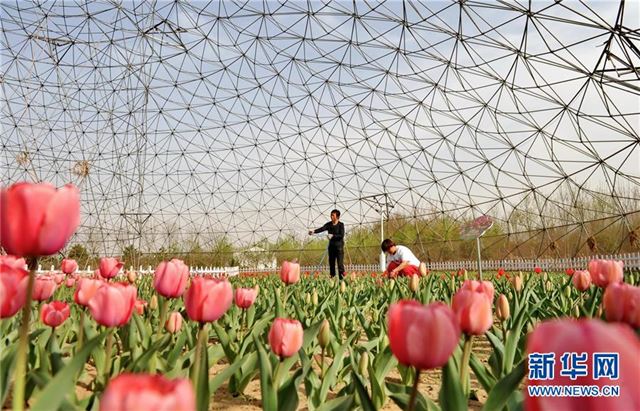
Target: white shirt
403,254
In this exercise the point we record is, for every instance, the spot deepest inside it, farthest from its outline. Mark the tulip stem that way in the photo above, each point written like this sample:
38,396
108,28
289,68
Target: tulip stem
464,364
23,344
414,391
164,307
322,370
81,331
202,340
277,376
107,358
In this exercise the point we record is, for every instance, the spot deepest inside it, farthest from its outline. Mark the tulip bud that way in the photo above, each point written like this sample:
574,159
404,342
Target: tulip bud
314,297
132,276
414,283
343,322
576,311
549,286
153,303
343,287
516,281
257,288
324,336
502,308
423,269
567,292
599,312
307,298
363,364
173,323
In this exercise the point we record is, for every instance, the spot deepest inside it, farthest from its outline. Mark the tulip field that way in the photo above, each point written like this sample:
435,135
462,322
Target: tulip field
291,340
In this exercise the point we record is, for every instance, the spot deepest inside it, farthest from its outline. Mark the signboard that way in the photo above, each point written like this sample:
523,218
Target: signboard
476,228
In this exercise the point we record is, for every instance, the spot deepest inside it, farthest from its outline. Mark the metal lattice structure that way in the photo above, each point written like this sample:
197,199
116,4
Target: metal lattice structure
182,120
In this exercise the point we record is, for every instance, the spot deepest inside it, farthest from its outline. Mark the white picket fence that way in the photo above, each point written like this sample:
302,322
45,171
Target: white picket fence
631,263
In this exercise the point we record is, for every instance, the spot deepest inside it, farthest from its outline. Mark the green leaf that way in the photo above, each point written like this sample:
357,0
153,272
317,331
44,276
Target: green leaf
222,376
141,363
288,392
330,376
175,352
343,403
484,378
401,395
269,398
365,400
451,395
202,379
54,394
6,369
501,392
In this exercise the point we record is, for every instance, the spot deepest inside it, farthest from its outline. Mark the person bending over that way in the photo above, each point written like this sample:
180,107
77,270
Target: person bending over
400,260
336,243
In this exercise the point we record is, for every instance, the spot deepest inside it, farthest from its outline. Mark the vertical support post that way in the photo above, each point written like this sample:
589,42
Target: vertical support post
382,259
479,260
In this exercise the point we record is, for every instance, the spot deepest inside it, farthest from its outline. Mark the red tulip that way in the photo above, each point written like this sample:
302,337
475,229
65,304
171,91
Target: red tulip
68,266
170,278
581,280
473,311
290,272
537,270
605,272
12,261
412,326
207,300
245,297
85,290
13,287
622,303
285,337
570,271
37,219
586,336
480,286
174,322
112,305
500,272
54,313
110,267
145,392
139,306
43,287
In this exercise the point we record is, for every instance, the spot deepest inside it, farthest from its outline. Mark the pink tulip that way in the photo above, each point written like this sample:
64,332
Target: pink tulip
43,287
139,306
68,266
54,313
622,303
290,272
143,392
581,280
37,219
85,290
13,287
473,311
110,267
207,300
113,303
285,337
245,297
412,325
70,282
58,278
605,272
174,322
586,336
170,278
479,286
12,261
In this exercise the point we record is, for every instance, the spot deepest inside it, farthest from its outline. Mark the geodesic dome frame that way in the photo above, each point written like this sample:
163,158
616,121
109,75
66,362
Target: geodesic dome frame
187,121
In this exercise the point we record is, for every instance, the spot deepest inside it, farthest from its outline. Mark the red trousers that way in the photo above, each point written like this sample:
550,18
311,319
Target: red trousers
408,270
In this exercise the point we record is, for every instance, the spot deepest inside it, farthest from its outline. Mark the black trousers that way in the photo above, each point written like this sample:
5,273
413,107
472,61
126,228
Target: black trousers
336,254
